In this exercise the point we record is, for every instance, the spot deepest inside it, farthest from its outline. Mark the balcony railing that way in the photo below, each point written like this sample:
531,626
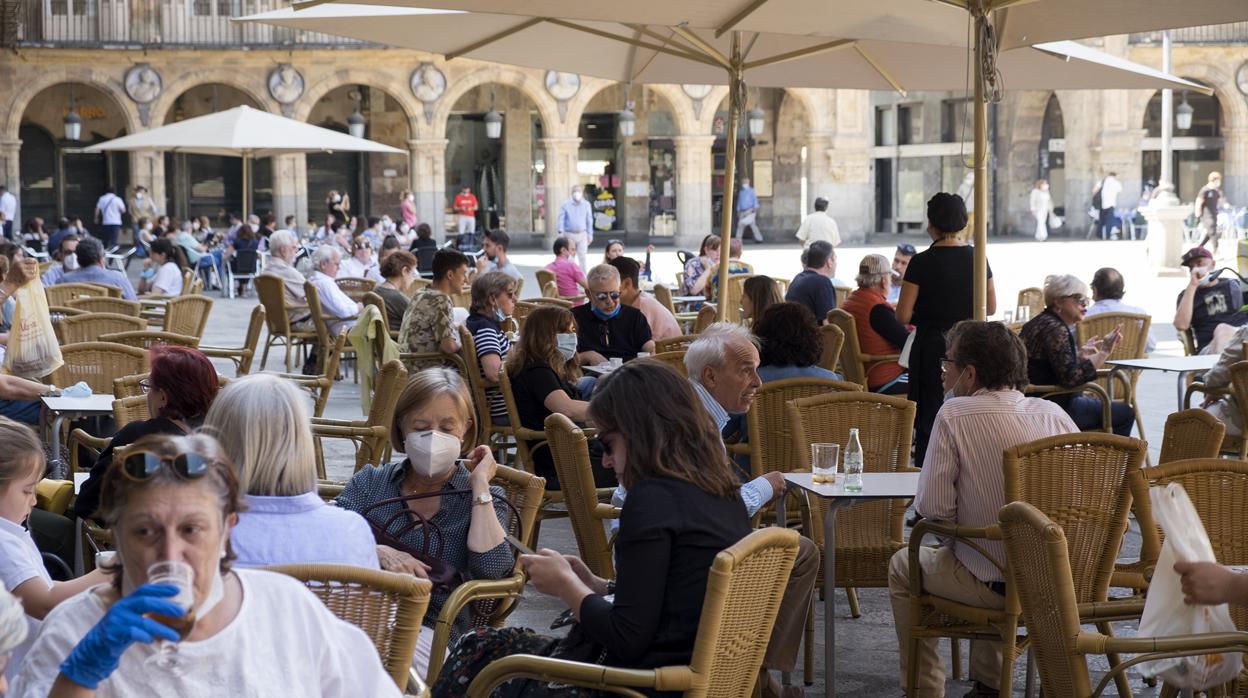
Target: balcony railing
1233,33
150,24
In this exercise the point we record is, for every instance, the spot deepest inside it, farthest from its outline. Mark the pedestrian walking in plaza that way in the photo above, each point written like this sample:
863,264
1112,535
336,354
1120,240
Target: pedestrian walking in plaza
576,223
141,206
1105,200
747,210
108,212
8,207
1209,200
466,211
819,226
1041,205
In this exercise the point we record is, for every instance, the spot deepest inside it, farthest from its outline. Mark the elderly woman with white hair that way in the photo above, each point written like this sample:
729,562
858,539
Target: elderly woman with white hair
1053,358
341,312
283,248
263,426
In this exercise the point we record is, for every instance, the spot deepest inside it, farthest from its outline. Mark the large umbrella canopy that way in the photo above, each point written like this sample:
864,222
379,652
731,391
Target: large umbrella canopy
243,132
1019,23
861,64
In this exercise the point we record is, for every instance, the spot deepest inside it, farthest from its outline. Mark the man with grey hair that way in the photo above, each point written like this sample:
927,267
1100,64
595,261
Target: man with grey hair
340,311
284,249
576,223
605,327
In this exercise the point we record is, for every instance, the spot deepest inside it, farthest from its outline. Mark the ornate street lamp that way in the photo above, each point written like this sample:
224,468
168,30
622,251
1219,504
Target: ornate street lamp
1183,114
356,122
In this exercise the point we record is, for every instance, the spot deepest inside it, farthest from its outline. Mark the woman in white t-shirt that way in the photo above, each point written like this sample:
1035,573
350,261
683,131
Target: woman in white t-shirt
167,281
253,633
361,263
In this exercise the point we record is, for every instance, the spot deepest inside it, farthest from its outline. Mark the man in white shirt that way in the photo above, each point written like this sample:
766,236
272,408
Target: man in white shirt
962,483
108,212
1107,291
662,323
340,311
819,226
1109,188
8,207
901,261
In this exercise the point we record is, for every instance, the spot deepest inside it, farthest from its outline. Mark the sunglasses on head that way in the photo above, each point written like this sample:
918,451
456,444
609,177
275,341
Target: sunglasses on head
143,465
613,295
906,249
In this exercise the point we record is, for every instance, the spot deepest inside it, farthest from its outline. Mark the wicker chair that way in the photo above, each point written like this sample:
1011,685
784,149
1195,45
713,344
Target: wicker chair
546,300
770,445
736,290
1134,345
355,287
833,340
242,356
544,277
98,363
494,435
528,441
743,593
1040,577
1031,298
147,339
570,448
64,311
706,317
1218,488
89,327
62,294
321,384
369,436
678,343
855,365
387,606
1093,514
1191,433
187,315
493,600
102,304
675,359
1048,391
130,409
272,293
867,534
1231,444
663,295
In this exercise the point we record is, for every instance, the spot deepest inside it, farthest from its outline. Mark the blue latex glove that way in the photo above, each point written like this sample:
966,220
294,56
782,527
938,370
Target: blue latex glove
98,653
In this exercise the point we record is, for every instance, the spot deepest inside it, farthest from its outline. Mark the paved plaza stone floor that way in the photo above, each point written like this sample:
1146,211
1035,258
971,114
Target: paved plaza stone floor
867,658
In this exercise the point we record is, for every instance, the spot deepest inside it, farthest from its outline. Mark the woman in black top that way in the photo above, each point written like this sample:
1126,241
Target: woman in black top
180,388
937,293
399,271
682,508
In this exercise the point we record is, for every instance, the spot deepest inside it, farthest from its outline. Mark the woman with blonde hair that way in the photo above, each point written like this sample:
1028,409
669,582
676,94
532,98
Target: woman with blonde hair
493,301
263,426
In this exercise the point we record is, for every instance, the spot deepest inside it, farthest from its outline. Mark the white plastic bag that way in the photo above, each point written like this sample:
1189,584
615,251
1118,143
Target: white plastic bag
1165,613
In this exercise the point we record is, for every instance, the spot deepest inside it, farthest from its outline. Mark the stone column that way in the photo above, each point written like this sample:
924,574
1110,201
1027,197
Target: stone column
1235,162
290,188
518,173
561,157
693,190
428,182
11,173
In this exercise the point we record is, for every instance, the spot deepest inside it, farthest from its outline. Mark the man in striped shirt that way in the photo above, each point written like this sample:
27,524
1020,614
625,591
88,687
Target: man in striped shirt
984,414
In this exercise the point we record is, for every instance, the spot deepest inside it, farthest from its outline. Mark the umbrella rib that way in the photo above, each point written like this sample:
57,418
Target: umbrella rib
750,46
802,53
701,45
880,69
632,58
737,18
679,53
495,37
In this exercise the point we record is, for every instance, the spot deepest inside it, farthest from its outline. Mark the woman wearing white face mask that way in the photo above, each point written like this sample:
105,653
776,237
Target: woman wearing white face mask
174,500
433,426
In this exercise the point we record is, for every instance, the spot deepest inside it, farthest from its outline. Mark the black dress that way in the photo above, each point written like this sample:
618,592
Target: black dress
89,495
530,387
945,277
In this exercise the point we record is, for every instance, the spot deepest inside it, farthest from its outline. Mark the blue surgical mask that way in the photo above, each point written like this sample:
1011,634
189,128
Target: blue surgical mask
606,316
499,315
566,342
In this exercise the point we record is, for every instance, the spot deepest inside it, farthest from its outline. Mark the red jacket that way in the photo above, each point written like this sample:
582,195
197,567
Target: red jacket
859,304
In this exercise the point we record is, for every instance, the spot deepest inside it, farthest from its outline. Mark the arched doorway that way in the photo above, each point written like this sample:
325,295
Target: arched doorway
212,185
756,155
57,178
1052,160
506,174
1197,150
372,180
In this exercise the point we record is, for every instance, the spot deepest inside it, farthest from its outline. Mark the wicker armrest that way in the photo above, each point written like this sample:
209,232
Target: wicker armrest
965,535
578,674
346,432
466,593
605,511
1209,393
77,438
1149,649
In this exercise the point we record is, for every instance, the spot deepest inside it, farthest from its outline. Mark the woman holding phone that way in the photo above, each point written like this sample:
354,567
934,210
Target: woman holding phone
1053,358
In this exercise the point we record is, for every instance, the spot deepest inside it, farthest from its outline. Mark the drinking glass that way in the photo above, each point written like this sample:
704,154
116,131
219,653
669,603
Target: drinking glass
181,575
1008,317
823,460
616,363
1024,313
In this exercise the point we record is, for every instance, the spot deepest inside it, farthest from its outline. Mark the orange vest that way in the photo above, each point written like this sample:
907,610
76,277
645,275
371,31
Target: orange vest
859,304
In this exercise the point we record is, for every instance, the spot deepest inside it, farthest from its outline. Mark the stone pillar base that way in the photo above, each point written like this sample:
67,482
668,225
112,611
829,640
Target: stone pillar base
1165,218
427,172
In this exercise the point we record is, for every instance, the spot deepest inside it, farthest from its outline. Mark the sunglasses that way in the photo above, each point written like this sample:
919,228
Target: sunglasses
613,295
363,246
1079,300
143,465
145,385
906,249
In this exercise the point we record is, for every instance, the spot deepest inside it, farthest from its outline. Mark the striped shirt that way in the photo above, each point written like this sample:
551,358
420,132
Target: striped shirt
962,480
489,338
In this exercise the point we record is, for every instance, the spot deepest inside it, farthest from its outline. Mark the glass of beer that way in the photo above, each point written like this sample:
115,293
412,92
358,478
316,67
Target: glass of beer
823,460
181,575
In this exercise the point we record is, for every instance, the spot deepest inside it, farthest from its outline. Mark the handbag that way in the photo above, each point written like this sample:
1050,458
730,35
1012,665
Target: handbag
904,359
444,576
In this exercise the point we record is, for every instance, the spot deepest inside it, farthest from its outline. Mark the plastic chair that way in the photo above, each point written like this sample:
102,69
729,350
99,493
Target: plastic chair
245,266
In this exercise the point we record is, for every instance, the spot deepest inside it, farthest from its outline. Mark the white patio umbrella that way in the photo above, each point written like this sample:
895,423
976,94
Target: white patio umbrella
247,133
660,54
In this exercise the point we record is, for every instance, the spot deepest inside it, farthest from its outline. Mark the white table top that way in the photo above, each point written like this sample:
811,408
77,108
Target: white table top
688,299
1200,362
96,403
874,485
599,370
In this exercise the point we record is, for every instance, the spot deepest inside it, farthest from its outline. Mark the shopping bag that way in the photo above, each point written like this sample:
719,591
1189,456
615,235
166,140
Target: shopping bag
33,351
1165,613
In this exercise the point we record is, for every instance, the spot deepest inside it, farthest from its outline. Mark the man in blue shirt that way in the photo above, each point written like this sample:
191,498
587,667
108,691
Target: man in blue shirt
747,211
576,223
813,286
91,269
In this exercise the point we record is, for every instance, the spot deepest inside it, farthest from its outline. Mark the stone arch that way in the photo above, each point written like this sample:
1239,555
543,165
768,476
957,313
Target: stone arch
184,82
527,82
109,85
1234,106
396,88
690,123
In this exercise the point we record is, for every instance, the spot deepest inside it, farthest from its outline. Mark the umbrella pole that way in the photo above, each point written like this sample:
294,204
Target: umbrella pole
980,195
736,86
246,186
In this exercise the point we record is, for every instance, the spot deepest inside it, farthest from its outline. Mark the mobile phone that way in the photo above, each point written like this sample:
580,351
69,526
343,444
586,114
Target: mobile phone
520,547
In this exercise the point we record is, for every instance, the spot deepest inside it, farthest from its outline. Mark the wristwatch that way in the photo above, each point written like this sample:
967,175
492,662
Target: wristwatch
483,498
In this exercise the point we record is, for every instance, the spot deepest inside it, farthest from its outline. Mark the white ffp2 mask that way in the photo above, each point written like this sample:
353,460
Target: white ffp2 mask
431,452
